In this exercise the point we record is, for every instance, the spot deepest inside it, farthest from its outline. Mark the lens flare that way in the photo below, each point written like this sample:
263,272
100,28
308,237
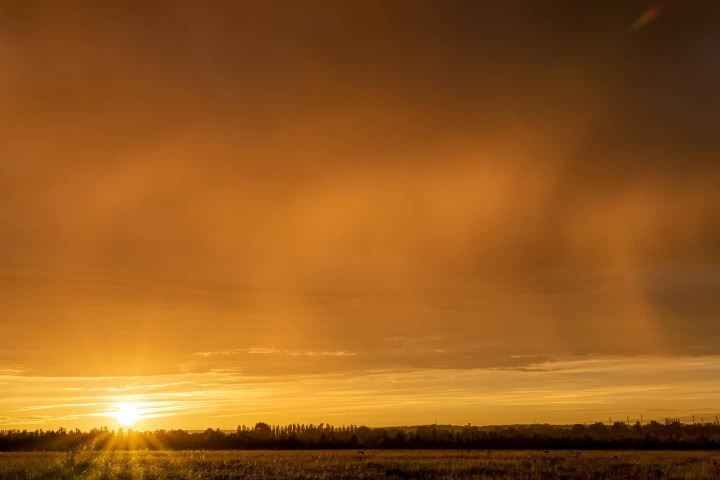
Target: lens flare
646,18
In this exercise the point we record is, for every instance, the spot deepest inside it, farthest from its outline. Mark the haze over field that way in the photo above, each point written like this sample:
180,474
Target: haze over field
372,212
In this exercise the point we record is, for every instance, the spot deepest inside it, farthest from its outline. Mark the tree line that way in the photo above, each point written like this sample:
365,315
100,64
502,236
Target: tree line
619,435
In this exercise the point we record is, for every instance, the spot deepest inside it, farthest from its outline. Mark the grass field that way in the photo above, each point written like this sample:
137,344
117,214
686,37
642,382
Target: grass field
420,464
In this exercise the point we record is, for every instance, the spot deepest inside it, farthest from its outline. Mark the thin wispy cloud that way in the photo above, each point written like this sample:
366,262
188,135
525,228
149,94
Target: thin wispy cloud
275,351
585,386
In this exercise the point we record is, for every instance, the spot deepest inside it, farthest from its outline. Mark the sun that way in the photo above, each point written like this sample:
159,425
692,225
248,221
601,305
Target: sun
127,414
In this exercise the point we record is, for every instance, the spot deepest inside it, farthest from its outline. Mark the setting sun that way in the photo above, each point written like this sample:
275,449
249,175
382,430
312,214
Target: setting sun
127,414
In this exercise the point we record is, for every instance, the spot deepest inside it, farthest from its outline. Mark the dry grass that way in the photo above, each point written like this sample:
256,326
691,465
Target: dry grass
418,464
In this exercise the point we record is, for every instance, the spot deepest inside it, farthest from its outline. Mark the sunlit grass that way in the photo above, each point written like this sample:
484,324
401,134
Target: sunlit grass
521,465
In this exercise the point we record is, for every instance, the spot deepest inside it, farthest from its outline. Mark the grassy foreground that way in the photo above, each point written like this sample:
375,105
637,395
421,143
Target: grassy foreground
420,464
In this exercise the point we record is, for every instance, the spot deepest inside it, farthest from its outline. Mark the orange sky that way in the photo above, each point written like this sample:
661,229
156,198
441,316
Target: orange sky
374,212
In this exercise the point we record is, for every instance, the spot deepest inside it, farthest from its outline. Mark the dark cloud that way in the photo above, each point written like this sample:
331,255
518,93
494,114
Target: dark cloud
482,179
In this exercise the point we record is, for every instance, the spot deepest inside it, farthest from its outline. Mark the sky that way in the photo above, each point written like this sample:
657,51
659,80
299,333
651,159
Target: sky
363,212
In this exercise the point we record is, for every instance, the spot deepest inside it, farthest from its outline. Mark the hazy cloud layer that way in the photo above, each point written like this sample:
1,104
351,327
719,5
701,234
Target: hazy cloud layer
303,188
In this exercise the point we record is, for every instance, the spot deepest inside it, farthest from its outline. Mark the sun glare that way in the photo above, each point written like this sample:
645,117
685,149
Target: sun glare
127,414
